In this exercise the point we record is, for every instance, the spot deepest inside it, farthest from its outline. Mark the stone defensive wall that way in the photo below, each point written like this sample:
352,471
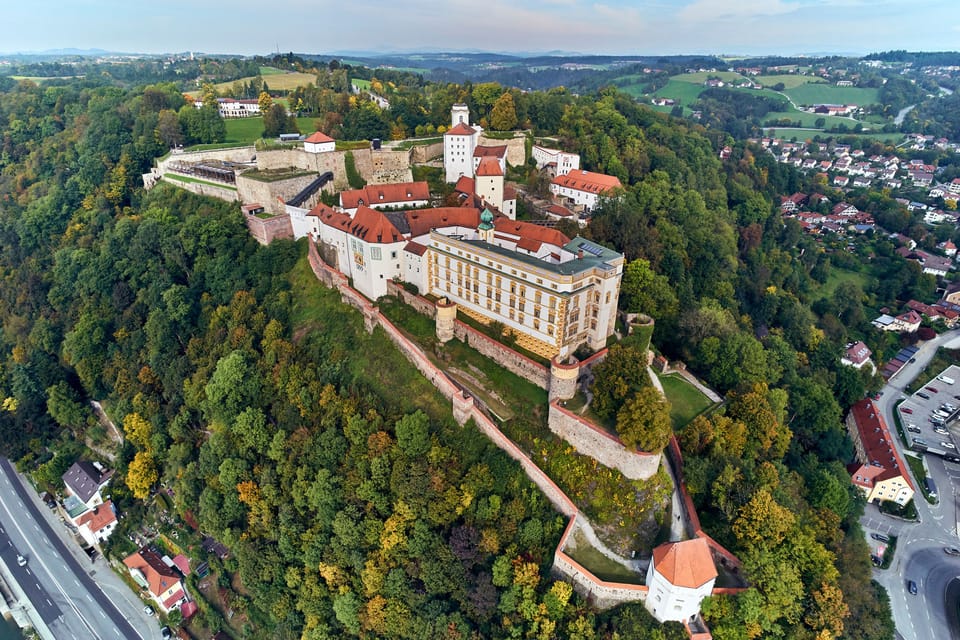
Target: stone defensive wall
240,155
607,449
422,154
503,355
421,304
271,193
204,189
516,148
376,167
266,230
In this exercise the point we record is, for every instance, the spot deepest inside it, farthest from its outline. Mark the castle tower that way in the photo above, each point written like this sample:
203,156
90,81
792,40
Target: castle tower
488,182
563,378
680,576
458,144
459,114
446,318
486,226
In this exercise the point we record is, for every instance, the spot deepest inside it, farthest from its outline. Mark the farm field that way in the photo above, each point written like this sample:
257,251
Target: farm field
361,83
683,92
790,81
270,71
281,81
822,93
701,76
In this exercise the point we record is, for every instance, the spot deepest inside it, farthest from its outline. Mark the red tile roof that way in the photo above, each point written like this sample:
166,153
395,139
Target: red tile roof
465,184
321,209
183,563
559,210
489,166
588,181
318,138
685,564
530,231
461,130
415,248
385,194
421,221
483,151
372,226
877,442
159,576
172,600
858,353
100,517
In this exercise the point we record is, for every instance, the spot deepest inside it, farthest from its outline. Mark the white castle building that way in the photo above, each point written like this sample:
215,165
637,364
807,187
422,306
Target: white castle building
680,576
554,294
459,143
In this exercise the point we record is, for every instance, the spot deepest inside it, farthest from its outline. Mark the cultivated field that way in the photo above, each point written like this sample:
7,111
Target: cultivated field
282,81
790,81
822,93
701,76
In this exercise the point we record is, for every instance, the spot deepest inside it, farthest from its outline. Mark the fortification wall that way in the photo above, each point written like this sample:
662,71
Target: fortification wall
203,189
425,152
516,153
605,448
503,355
234,154
270,193
266,230
383,166
421,304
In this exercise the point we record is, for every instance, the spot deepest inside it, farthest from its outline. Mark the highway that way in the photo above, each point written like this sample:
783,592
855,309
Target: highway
931,614
59,586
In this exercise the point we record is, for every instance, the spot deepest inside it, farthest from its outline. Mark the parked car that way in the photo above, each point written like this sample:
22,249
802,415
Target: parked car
951,551
165,633
147,609
912,587
921,394
941,430
947,445
932,389
912,428
880,536
907,410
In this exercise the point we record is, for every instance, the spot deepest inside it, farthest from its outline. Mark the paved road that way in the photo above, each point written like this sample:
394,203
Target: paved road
929,615
25,577
77,607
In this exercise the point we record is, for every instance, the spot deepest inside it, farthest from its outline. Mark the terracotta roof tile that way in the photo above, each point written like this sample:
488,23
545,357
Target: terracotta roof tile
483,151
489,166
99,517
415,248
685,564
319,138
159,576
465,184
461,130
421,221
530,231
385,194
372,226
877,442
588,181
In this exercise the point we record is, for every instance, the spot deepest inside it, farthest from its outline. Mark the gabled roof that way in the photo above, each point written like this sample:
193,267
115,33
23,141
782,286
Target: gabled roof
158,575
461,130
321,209
483,151
685,564
421,221
319,138
530,232
489,167
465,184
415,248
385,194
587,181
877,442
372,226
858,353
98,518
84,480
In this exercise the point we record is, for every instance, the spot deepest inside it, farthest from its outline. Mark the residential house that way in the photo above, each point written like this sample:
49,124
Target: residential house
97,524
907,322
878,471
83,481
584,188
952,293
841,181
856,355
381,196
844,209
161,582
561,162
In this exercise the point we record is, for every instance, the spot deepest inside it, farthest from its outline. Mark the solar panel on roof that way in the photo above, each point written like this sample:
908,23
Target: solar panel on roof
911,350
593,250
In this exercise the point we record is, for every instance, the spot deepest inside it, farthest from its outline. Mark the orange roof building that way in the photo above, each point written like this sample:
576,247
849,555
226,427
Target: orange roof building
319,142
879,471
583,189
380,196
98,523
162,582
680,576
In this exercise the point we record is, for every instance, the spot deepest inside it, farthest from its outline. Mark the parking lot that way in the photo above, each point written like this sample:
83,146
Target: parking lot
931,416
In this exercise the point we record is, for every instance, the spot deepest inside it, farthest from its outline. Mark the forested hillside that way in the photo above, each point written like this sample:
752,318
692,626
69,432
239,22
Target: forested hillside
351,502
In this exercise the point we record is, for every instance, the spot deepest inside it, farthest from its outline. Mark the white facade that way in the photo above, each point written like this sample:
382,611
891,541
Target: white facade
566,162
584,188
459,143
685,577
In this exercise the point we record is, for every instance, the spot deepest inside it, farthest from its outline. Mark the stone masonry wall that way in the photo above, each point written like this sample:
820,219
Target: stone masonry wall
267,230
222,193
603,447
503,355
425,152
421,304
269,193
516,152
234,154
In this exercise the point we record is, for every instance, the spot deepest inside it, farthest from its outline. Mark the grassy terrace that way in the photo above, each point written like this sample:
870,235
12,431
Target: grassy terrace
686,401
600,565
180,178
276,175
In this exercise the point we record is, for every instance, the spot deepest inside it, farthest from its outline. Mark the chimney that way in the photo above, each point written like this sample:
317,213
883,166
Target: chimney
579,254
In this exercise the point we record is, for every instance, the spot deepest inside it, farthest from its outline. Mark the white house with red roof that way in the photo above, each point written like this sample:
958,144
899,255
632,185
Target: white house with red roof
97,524
382,196
319,142
856,355
161,582
484,152
459,143
680,576
560,163
582,188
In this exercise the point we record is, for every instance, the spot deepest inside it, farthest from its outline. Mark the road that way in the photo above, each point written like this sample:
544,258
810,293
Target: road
59,586
920,556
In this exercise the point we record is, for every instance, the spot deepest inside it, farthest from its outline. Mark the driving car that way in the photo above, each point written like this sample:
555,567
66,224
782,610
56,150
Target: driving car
912,587
951,551
952,458
21,561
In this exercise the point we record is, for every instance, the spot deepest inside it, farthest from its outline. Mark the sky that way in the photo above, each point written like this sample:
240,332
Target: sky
614,27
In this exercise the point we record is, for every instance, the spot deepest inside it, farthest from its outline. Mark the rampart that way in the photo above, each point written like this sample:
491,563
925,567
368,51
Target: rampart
423,153
503,355
204,189
271,193
421,304
516,150
266,230
607,449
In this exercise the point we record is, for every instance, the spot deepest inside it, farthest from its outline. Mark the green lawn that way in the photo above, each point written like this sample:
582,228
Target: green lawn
822,93
790,81
685,93
701,76
920,474
363,84
180,178
270,71
249,130
600,565
838,275
686,401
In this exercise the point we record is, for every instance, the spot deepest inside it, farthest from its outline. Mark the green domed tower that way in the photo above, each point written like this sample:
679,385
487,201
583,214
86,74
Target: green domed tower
486,225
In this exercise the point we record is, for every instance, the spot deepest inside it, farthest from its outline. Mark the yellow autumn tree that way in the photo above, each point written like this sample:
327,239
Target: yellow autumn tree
138,430
142,474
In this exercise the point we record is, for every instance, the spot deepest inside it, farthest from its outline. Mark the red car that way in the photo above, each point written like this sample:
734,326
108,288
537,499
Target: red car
931,389
907,410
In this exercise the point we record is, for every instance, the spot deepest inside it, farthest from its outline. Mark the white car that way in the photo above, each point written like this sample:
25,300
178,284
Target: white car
948,445
21,561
